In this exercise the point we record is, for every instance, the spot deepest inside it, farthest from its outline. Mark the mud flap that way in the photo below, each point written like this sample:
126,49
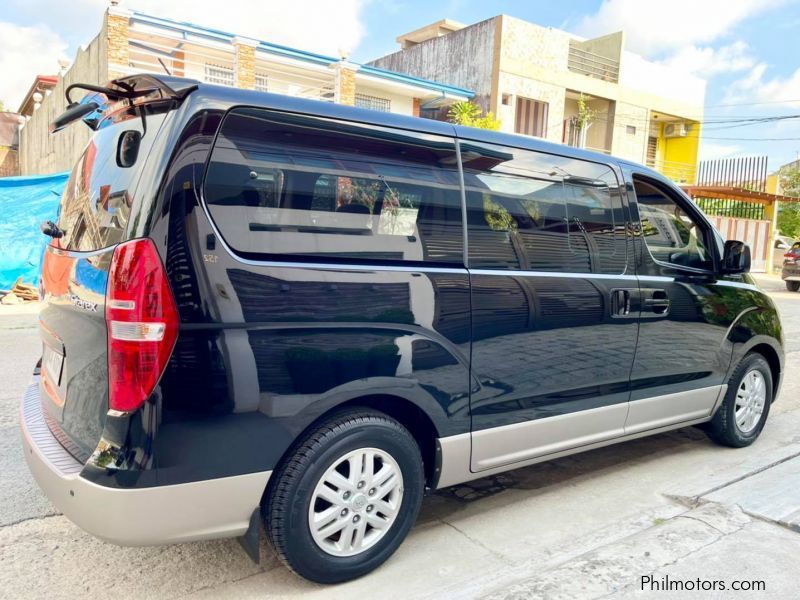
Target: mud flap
251,538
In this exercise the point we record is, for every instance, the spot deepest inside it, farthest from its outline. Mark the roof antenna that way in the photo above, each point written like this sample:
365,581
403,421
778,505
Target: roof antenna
165,66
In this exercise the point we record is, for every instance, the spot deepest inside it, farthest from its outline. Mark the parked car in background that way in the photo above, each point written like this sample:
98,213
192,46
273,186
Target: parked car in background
782,245
790,269
261,310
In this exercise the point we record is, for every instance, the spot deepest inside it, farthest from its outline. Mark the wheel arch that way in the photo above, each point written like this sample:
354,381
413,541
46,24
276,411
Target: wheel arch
420,424
773,360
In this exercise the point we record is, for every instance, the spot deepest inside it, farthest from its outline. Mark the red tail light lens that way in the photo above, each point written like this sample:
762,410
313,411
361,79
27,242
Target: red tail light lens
142,322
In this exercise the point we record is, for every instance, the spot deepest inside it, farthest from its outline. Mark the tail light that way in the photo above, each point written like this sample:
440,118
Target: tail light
142,322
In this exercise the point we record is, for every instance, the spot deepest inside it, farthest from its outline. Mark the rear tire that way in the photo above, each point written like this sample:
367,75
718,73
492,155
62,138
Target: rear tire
359,476
740,419
793,286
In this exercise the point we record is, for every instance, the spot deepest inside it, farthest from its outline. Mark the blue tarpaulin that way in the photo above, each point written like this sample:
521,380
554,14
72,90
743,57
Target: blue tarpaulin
24,203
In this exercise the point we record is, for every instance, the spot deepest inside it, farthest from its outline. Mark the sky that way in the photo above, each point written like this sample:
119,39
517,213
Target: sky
747,50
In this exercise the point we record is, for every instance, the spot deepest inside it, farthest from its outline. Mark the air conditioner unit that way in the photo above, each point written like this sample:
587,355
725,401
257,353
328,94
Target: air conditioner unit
676,129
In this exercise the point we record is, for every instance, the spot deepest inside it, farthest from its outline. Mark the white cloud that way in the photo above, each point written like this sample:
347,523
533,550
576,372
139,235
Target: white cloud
24,53
758,87
654,27
713,150
707,62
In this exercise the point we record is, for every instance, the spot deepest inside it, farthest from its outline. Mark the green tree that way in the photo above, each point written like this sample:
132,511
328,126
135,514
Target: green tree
789,212
790,182
470,114
2,106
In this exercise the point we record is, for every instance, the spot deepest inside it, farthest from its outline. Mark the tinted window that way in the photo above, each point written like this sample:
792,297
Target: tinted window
97,199
295,185
534,211
670,233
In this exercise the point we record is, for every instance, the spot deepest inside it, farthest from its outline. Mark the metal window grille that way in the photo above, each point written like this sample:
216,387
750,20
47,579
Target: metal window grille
373,102
219,75
262,82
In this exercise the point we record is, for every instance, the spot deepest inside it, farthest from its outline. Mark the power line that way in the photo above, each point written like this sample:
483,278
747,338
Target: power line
752,139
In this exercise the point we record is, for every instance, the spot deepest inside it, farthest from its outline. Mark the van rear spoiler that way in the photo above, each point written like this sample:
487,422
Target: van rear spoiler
90,109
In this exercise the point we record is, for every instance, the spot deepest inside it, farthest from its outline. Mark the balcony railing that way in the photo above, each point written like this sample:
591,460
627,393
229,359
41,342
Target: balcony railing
591,64
679,172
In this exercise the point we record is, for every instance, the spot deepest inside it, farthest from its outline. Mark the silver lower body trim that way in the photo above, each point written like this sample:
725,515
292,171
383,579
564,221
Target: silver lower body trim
135,517
654,415
513,443
660,411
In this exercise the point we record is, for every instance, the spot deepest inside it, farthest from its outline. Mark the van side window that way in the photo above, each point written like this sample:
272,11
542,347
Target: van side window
671,234
532,211
281,184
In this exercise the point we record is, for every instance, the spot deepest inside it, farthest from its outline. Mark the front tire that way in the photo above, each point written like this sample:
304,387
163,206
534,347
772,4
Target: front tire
347,497
745,408
793,286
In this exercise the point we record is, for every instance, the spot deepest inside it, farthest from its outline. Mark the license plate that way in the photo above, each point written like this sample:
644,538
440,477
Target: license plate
52,362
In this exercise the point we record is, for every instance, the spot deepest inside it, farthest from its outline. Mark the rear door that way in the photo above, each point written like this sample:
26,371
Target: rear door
553,331
94,213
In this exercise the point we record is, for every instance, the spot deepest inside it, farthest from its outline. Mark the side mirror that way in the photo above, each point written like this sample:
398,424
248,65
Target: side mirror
735,258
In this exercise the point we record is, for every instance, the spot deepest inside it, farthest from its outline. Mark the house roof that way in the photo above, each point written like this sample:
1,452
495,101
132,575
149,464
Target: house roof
40,84
301,55
727,192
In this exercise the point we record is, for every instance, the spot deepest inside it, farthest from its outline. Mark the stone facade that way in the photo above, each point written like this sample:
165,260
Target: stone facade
116,34
345,83
245,63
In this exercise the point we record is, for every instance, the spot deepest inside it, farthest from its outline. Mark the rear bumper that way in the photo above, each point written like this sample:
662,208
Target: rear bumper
790,273
135,517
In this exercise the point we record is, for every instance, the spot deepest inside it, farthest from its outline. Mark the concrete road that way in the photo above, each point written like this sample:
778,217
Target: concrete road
674,507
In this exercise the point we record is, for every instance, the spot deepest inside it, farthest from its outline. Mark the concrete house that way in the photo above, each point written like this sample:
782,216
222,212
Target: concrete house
533,77
132,42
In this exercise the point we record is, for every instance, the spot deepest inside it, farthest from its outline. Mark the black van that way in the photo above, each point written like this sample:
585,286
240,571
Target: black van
266,309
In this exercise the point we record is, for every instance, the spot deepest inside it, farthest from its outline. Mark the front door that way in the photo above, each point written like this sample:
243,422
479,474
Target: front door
553,328
682,356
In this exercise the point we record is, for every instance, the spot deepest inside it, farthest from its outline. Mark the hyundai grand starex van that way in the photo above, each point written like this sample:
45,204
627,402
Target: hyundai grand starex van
267,311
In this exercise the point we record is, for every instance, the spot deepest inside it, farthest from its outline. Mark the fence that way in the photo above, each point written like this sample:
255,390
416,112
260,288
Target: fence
747,172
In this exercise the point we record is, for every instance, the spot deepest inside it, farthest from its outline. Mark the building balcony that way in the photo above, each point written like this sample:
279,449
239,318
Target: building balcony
593,65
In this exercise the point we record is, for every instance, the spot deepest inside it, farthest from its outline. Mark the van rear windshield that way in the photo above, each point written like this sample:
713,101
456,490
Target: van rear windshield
97,200
293,185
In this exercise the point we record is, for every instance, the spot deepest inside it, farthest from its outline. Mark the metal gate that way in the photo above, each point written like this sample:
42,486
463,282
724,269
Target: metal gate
753,231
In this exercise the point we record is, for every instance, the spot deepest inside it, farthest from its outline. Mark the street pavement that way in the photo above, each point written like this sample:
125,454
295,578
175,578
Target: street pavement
673,507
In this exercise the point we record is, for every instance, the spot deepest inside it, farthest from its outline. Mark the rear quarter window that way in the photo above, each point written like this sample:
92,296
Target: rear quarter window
291,185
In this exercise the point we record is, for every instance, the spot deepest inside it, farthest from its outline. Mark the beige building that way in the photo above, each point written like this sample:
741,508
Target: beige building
533,79
131,42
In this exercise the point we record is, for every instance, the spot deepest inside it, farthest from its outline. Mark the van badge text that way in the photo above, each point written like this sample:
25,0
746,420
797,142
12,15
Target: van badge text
84,304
